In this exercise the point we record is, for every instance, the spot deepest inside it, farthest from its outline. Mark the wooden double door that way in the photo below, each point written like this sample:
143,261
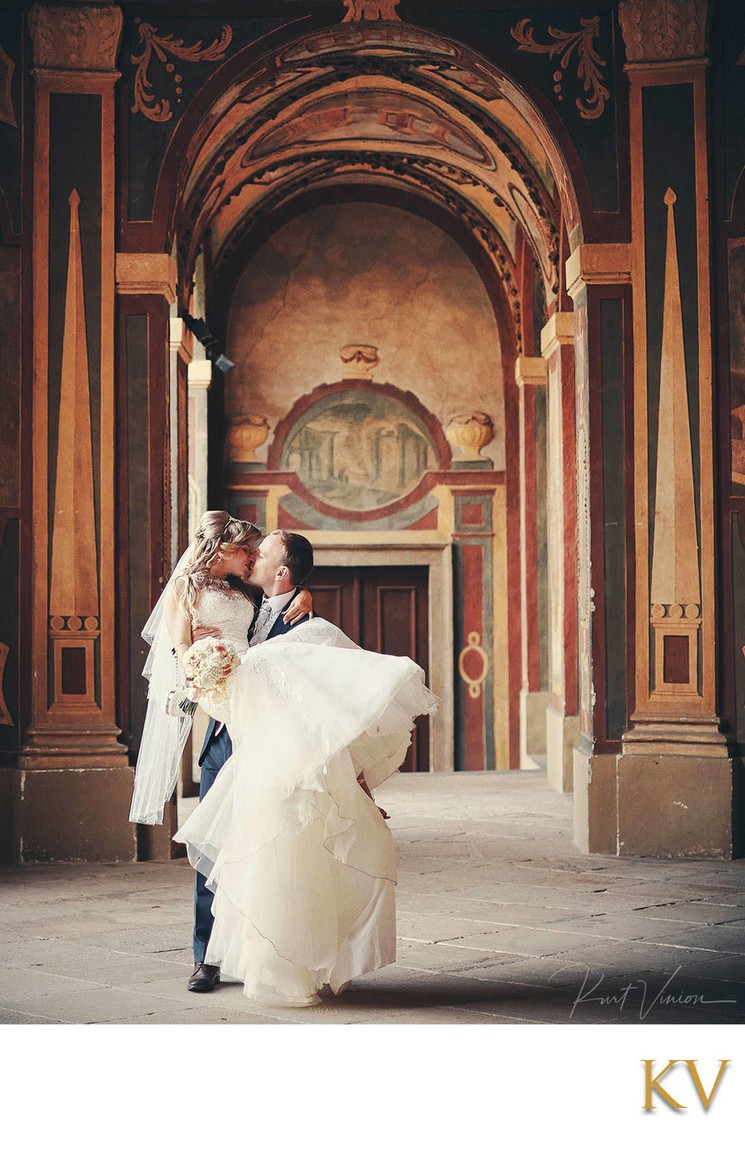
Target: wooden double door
383,609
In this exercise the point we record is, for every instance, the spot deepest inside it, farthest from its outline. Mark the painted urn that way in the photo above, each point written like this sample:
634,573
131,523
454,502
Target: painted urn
470,433
246,434
359,359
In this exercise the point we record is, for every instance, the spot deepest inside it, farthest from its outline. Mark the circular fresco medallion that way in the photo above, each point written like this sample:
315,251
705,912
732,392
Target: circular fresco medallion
360,450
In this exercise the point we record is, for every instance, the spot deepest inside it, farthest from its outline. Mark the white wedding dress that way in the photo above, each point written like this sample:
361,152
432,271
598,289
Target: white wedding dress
300,859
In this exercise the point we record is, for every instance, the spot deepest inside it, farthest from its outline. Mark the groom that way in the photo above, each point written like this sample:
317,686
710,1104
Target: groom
283,564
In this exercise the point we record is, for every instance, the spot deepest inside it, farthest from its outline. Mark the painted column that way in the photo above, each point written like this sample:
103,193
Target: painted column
75,781
675,774
530,377
180,346
480,624
598,278
150,497
199,381
562,724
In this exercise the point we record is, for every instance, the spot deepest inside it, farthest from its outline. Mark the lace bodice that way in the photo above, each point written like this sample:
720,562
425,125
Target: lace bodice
224,606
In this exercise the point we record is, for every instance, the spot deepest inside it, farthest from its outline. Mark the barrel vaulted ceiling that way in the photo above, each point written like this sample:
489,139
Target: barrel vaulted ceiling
397,108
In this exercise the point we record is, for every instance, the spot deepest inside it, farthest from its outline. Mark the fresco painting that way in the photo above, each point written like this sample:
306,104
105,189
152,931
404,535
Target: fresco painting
359,451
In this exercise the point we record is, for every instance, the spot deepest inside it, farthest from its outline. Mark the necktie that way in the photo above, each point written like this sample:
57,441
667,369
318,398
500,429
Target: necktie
262,623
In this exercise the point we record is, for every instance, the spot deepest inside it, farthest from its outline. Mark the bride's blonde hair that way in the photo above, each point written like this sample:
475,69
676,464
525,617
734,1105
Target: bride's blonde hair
219,534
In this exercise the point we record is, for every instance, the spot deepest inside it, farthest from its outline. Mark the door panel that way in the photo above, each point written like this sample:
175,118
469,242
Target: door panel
336,597
383,609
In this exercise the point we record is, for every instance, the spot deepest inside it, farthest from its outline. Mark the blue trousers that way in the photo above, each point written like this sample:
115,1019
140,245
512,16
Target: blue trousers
213,759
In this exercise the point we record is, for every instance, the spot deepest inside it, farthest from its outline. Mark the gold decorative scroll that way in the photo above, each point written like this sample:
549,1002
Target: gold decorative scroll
74,579
589,63
145,100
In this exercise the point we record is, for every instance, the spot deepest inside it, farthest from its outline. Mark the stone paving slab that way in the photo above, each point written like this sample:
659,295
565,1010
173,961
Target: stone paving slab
501,921
96,1003
697,913
118,972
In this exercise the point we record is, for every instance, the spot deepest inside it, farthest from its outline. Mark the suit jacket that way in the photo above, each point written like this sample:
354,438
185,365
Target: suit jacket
279,626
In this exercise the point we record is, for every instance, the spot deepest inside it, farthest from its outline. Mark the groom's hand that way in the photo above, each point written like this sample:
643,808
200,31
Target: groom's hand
205,632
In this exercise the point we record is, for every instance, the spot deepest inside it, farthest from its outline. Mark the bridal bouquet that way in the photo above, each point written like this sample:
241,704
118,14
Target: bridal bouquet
209,665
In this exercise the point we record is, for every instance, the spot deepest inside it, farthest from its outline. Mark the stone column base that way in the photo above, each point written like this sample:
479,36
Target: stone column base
676,806
595,811
72,813
562,735
533,708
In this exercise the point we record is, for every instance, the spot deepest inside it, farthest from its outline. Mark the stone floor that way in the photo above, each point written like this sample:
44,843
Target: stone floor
500,921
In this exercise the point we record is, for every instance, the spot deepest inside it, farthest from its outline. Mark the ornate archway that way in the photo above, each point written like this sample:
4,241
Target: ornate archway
395,114
615,659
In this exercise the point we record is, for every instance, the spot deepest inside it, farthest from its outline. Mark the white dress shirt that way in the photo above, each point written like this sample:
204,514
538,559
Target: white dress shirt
269,611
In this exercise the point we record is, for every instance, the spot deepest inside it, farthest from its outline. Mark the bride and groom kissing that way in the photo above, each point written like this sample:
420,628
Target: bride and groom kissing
295,864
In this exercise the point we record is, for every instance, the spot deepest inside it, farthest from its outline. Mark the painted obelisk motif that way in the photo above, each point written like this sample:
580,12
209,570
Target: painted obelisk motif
676,585
74,580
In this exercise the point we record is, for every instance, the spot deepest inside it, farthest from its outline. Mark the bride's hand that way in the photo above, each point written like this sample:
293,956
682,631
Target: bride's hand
300,606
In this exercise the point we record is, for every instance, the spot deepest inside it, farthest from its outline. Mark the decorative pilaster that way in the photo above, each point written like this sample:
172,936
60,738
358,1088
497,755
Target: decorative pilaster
675,786
200,381
180,347
530,377
480,624
598,278
154,352
76,778
557,348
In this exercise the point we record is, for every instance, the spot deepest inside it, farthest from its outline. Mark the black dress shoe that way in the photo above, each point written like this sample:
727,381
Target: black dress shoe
204,979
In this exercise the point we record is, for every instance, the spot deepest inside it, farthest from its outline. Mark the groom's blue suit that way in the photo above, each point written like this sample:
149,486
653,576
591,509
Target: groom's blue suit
215,752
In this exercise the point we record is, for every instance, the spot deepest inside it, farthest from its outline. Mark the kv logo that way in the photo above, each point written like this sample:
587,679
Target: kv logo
652,1084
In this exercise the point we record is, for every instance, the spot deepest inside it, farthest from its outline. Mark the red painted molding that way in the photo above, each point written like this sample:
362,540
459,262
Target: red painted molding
261,482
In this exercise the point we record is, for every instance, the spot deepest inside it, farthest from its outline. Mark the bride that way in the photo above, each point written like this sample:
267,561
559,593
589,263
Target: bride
298,856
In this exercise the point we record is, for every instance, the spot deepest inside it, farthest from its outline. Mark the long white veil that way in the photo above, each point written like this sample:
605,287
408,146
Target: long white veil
163,736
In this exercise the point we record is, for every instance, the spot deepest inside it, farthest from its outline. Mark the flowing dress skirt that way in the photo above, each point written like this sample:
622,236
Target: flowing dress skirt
300,859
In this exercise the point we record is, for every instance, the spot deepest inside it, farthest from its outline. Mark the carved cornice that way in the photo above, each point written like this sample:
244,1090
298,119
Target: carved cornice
146,273
79,38
598,263
558,332
531,371
663,30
